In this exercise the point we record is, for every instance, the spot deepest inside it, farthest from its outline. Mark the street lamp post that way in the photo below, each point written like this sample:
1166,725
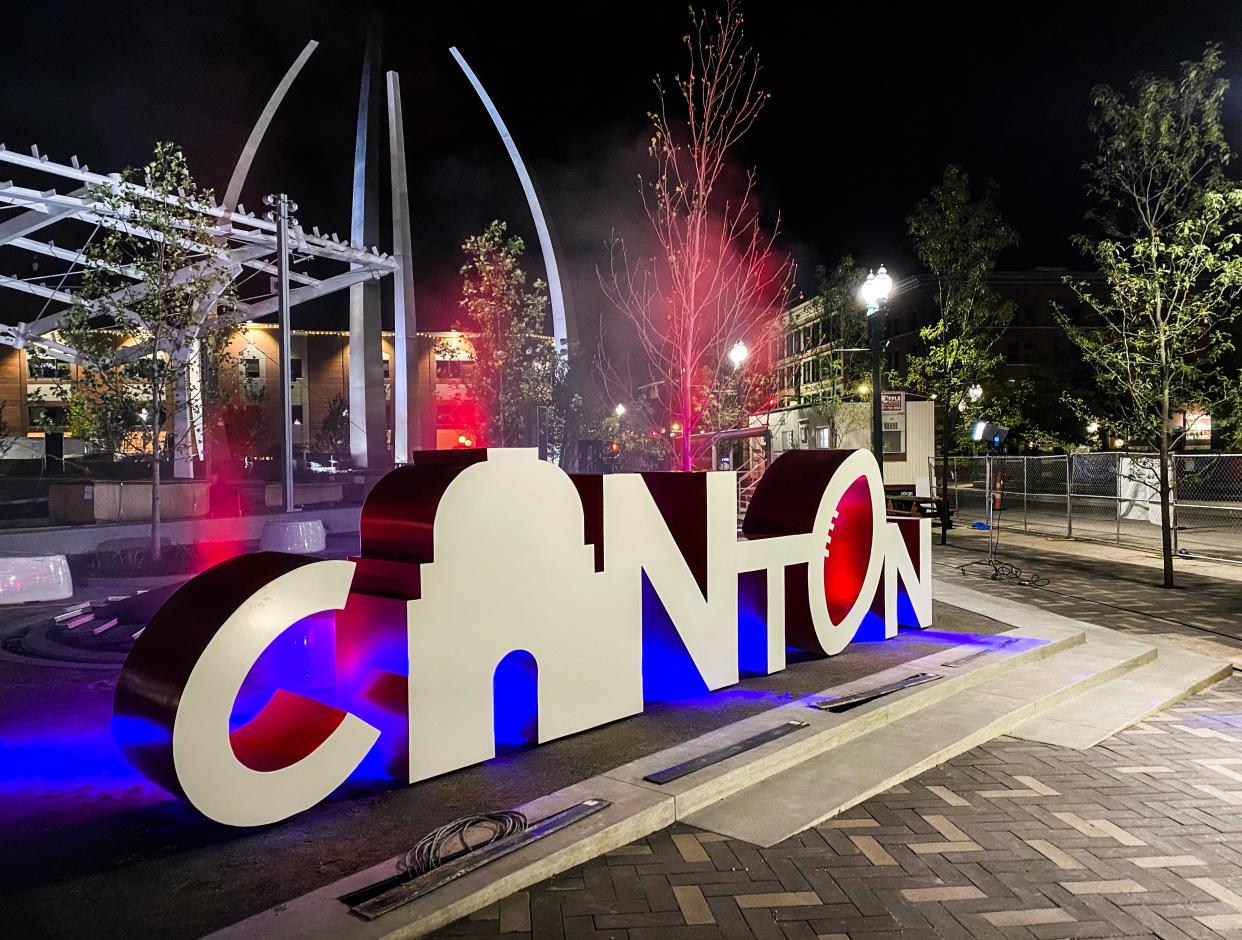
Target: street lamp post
281,212
874,293
738,354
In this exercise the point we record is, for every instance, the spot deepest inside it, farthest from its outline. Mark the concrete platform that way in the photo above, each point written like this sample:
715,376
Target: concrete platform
640,807
634,813
1114,706
988,687
830,783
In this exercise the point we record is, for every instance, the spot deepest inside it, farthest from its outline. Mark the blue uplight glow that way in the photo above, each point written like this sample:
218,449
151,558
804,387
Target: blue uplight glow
752,622
668,670
515,701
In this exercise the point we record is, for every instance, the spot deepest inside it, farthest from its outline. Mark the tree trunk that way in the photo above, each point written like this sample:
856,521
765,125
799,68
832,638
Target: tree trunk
945,515
156,546
1166,513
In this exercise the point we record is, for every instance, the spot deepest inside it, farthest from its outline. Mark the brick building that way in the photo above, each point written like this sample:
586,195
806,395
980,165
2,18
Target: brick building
1032,340
320,373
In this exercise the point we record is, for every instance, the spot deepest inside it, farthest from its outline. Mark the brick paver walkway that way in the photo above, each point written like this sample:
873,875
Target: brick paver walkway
1110,593
1136,837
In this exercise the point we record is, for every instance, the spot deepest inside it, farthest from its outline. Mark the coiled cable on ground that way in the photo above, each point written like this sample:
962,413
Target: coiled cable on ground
449,842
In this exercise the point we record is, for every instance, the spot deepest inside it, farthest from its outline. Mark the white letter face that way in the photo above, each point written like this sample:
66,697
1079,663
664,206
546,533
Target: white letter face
670,553
495,596
512,571
290,756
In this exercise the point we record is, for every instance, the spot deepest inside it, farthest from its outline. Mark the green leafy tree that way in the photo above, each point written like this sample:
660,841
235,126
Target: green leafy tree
102,408
1160,327
153,286
958,238
517,368
334,429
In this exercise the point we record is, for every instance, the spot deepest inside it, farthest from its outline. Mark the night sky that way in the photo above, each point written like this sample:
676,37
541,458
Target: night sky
865,111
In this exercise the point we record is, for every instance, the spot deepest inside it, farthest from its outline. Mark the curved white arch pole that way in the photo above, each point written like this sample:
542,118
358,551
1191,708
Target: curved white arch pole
188,417
555,294
233,193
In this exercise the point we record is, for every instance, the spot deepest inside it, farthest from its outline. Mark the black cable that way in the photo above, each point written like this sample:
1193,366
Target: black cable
1002,570
1007,571
449,842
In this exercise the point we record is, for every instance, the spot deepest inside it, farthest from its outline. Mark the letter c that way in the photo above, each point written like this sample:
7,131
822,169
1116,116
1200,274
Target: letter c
176,693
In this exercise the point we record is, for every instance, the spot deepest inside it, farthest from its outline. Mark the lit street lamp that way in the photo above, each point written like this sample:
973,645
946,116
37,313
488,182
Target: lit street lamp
738,354
619,411
973,394
874,293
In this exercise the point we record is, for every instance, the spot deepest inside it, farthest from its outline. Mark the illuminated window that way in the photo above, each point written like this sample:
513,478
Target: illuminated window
448,369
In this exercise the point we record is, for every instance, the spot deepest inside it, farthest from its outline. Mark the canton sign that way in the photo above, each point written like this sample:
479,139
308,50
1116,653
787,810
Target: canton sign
496,600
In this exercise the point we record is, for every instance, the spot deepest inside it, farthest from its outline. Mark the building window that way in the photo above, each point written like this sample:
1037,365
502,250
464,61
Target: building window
448,369
894,442
250,367
297,414
787,441
295,369
49,417
387,367
823,437
39,368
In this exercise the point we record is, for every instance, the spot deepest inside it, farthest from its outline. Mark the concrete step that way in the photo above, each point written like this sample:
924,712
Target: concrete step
991,659
822,786
1114,706
639,807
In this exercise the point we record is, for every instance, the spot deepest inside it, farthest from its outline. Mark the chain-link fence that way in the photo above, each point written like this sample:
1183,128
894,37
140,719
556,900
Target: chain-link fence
1112,497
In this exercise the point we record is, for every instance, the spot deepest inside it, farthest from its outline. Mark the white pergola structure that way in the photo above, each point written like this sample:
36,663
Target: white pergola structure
244,244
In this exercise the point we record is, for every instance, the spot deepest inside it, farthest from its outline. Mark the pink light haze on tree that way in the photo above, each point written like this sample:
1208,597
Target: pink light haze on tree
717,277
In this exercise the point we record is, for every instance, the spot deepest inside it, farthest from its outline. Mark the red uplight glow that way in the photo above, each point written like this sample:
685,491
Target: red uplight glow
848,552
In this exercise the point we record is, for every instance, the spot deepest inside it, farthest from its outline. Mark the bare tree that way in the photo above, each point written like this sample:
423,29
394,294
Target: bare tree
717,278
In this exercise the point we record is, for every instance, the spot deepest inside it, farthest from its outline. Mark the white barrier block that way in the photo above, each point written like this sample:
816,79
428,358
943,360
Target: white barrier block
303,536
25,578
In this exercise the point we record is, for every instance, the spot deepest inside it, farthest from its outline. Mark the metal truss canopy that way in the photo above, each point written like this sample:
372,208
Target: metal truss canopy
240,241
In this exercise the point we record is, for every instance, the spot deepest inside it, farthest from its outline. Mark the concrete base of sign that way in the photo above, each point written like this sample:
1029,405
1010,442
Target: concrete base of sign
761,795
302,536
25,578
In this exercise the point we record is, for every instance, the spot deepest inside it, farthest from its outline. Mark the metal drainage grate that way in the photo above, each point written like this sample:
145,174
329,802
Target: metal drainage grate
713,757
979,654
385,896
843,703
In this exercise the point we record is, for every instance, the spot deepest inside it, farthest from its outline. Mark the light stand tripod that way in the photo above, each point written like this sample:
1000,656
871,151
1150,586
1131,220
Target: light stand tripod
994,434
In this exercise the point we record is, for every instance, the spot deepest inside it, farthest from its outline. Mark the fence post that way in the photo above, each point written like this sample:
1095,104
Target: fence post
1117,491
1174,475
1024,490
1069,494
